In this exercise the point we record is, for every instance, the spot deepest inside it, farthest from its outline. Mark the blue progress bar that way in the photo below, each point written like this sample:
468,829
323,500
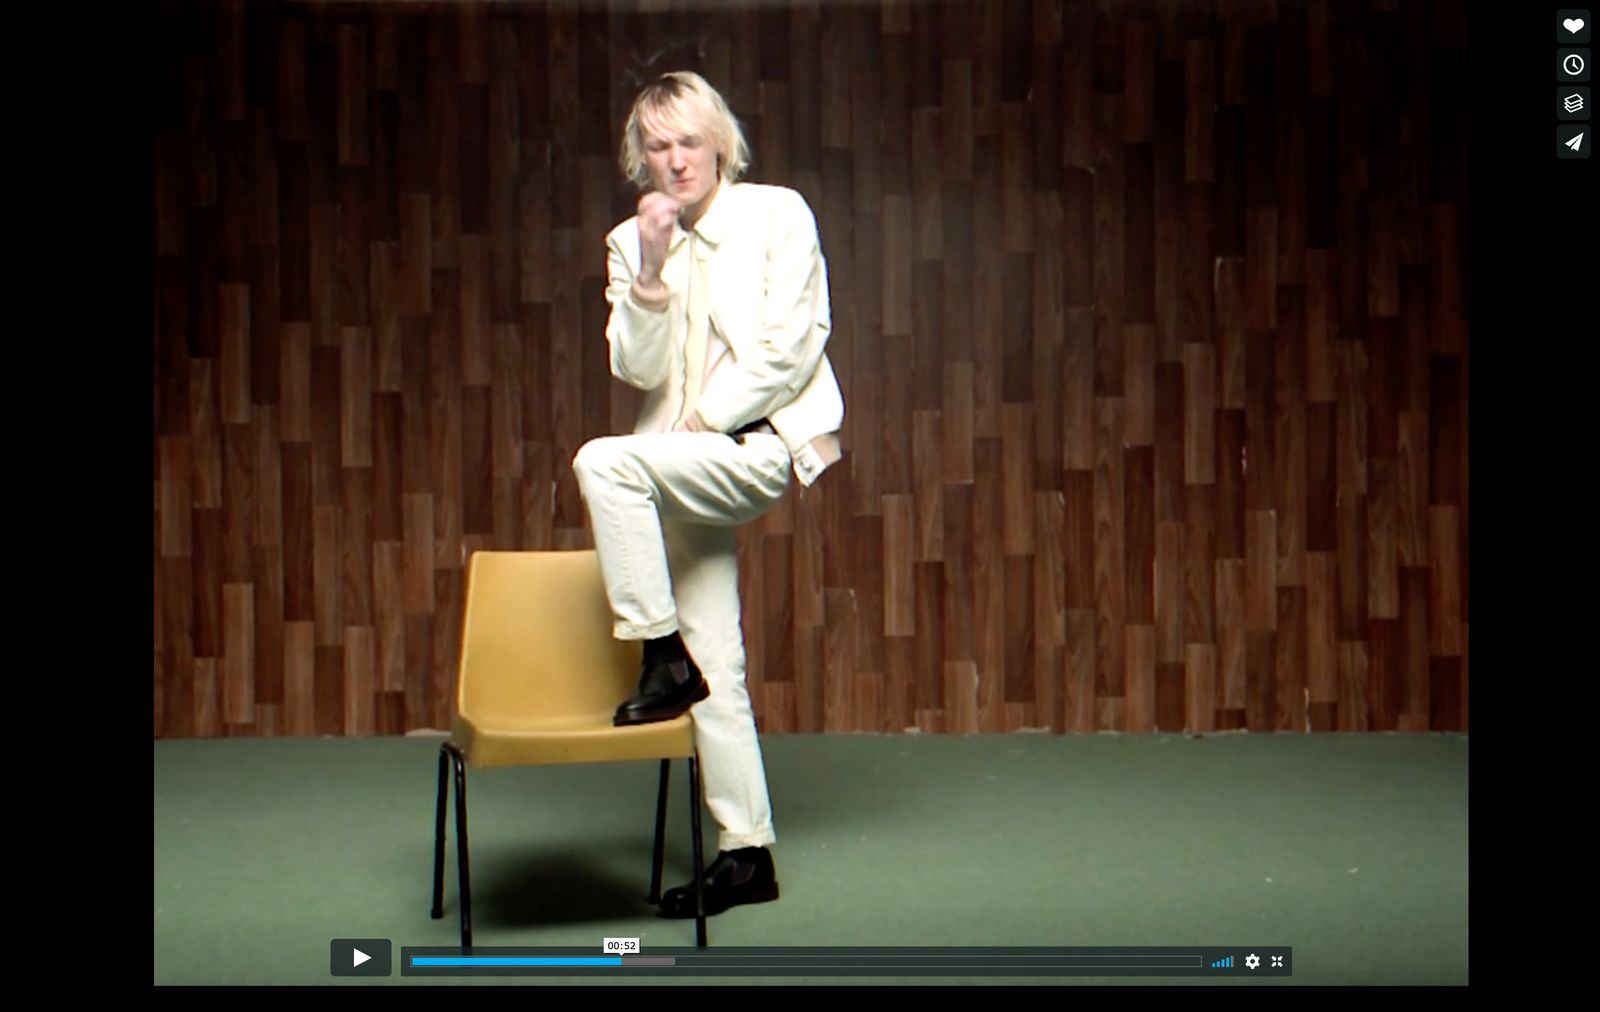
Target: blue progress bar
516,960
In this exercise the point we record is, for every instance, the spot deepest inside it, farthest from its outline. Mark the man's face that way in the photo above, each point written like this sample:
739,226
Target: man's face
681,159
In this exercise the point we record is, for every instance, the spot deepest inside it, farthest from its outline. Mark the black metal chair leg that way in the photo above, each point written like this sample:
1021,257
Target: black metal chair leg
661,833
699,854
438,832
450,758
461,845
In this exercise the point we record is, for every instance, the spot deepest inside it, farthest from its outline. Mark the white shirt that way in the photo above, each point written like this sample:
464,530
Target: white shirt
698,336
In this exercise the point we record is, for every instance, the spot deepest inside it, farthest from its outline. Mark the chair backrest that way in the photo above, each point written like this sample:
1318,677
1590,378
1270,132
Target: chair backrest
536,643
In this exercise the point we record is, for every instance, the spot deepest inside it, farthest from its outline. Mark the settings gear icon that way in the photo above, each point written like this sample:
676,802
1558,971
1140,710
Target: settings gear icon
1252,961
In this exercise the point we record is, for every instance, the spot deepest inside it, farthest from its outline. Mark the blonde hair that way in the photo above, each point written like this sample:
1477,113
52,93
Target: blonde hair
683,102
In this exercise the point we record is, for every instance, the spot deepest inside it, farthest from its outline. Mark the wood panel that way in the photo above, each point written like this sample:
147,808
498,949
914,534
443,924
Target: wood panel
1150,318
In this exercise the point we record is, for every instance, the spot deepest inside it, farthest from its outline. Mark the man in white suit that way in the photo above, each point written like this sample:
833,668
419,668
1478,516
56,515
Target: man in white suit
719,312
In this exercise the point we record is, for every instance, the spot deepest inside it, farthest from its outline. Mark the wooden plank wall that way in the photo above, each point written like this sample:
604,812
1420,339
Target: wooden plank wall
1150,318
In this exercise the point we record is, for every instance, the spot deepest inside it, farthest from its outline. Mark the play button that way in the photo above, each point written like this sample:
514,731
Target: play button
360,957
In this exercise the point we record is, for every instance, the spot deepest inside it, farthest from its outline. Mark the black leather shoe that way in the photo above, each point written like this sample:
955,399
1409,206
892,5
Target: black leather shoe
666,690
734,878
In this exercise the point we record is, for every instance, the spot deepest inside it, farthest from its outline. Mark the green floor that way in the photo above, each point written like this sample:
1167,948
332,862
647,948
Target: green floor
1350,848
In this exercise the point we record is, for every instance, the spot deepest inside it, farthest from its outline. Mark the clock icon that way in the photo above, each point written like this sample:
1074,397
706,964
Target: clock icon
1573,64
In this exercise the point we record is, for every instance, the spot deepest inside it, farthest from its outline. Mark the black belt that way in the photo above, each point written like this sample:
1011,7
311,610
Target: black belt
760,425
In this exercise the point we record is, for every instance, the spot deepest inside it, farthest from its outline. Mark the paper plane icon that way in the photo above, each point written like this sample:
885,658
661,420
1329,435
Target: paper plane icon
1576,142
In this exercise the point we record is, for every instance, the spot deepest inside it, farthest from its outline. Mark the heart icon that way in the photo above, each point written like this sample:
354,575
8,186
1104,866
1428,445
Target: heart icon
1573,25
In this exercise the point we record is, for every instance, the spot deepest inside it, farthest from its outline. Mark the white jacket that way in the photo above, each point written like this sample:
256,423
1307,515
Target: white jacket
768,292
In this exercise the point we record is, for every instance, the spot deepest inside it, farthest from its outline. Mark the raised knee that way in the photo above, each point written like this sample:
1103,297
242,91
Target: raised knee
608,462
597,456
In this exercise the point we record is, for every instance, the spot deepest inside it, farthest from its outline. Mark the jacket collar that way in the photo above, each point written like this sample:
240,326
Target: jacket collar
713,225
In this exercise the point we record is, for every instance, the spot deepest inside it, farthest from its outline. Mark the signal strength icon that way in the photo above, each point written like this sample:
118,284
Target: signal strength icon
1223,964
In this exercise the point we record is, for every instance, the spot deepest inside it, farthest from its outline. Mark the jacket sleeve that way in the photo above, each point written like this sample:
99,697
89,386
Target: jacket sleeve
638,333
792,334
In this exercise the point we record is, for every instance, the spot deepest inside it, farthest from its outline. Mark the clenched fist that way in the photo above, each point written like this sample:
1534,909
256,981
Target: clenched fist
657,214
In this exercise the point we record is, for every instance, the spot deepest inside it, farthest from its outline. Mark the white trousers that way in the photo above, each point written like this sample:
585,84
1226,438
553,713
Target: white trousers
664,507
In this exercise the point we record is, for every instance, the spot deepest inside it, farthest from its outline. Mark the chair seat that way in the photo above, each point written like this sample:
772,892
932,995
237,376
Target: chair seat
584,739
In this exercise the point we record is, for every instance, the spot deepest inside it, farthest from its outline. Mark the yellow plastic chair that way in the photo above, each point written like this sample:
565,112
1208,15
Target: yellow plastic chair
539,679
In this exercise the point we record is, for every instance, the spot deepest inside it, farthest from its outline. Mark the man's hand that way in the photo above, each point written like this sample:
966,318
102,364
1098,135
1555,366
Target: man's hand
657,214
691,424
